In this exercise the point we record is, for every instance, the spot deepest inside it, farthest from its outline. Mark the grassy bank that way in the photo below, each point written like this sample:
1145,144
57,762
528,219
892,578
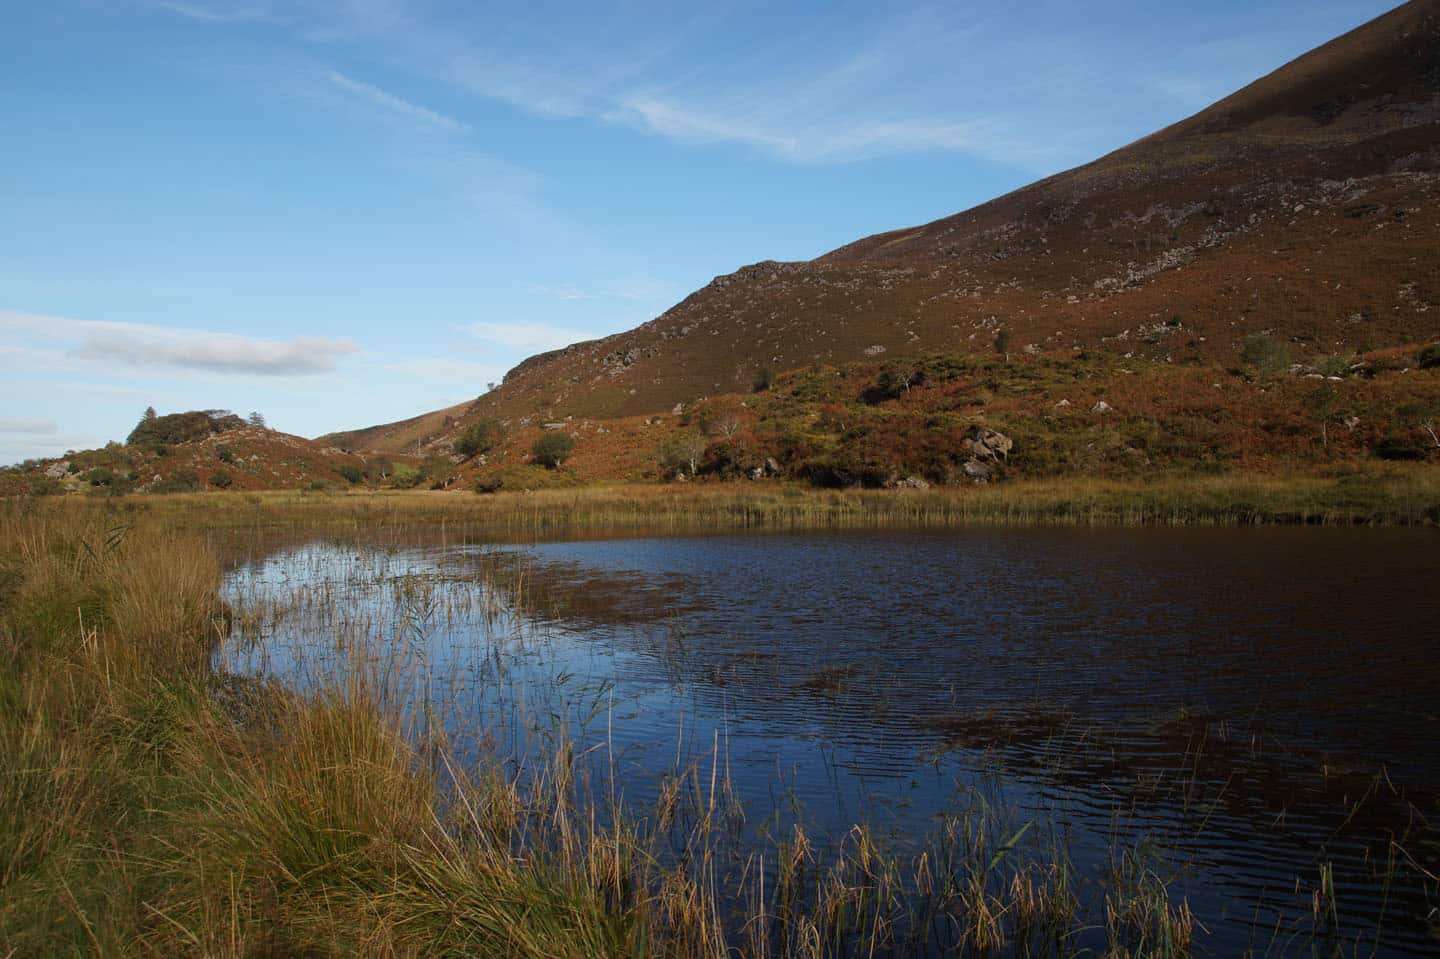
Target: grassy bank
1388,494
151,807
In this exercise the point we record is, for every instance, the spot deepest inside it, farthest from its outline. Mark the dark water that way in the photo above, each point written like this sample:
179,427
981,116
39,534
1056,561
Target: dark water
1248,705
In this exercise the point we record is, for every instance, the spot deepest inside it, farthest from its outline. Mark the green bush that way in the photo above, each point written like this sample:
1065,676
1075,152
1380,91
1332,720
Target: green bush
43,485
220,479
180,481
224,453
764,379
405,476
1430,357
100,476
1265,353
437,471
552,449
489,482
350,473
681,453
482,436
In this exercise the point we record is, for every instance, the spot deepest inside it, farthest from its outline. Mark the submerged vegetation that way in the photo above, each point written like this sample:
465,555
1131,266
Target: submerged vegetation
153,804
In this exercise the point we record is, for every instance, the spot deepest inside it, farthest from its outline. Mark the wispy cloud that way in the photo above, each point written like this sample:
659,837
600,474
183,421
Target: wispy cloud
796,139
215,12
9,424
531,337
147,345
394,104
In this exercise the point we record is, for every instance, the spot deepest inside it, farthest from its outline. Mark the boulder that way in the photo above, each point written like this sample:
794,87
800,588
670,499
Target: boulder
1101,407
981,442
977,471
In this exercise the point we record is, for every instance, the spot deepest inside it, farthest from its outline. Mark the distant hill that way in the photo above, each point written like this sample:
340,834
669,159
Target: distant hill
209,450
1305,206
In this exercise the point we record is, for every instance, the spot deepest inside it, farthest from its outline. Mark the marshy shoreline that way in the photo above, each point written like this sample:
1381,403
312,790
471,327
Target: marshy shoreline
1392,494
153,805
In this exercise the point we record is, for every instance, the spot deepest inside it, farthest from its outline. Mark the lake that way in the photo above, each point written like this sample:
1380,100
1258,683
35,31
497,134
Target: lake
1253,710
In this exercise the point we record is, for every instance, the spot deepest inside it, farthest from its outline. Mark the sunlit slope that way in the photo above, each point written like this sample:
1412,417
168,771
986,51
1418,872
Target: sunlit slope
1306,205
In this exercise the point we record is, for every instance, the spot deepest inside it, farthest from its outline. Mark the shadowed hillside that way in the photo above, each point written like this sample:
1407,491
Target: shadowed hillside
1305,204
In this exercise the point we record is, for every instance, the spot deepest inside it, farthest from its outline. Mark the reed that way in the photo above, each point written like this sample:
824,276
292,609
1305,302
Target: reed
1397,494
152,806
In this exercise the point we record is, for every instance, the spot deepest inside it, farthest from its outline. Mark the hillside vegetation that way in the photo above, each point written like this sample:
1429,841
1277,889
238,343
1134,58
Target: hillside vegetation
1303,210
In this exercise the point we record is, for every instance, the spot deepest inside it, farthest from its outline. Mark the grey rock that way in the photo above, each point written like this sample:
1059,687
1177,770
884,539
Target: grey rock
981,442
977,471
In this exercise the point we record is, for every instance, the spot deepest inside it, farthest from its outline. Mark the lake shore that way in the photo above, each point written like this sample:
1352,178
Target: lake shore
1382,495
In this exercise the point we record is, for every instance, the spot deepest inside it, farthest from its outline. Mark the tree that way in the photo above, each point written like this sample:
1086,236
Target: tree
257,420
149,414
681,452
1002,343
1322,401
719,417
482,436
764,379
552,449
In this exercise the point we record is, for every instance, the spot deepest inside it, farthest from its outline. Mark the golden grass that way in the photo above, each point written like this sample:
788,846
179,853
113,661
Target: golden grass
1385,494
141,813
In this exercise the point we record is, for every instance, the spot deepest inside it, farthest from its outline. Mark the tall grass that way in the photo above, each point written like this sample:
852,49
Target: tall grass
1389,494
151,807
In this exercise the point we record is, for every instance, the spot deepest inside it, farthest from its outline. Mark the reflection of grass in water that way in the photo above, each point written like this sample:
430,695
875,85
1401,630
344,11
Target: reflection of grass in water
144,811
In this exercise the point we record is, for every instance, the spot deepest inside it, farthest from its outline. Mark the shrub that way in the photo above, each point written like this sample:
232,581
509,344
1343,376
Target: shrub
43,485
489,483
220,479
894,381
100,476
482,436
1265,353
350,473
1430,357
552,449
224,453
437,471
180,481
681,453
1399,446
764,379
405,476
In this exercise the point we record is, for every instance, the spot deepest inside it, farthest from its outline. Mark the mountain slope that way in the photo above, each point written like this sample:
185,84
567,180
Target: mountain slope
1306,205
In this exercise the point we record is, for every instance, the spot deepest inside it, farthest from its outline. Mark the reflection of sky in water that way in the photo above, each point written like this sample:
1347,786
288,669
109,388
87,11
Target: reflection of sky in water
1207,687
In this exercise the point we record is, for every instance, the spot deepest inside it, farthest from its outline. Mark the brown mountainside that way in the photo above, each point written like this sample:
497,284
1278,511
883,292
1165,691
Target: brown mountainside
1306,205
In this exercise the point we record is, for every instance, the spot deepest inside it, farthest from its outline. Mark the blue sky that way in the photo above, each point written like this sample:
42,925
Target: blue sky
344,213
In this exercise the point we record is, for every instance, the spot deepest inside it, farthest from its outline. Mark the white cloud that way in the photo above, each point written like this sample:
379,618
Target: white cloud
393,103
10,424
792,138
215,13
141,344
528,337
